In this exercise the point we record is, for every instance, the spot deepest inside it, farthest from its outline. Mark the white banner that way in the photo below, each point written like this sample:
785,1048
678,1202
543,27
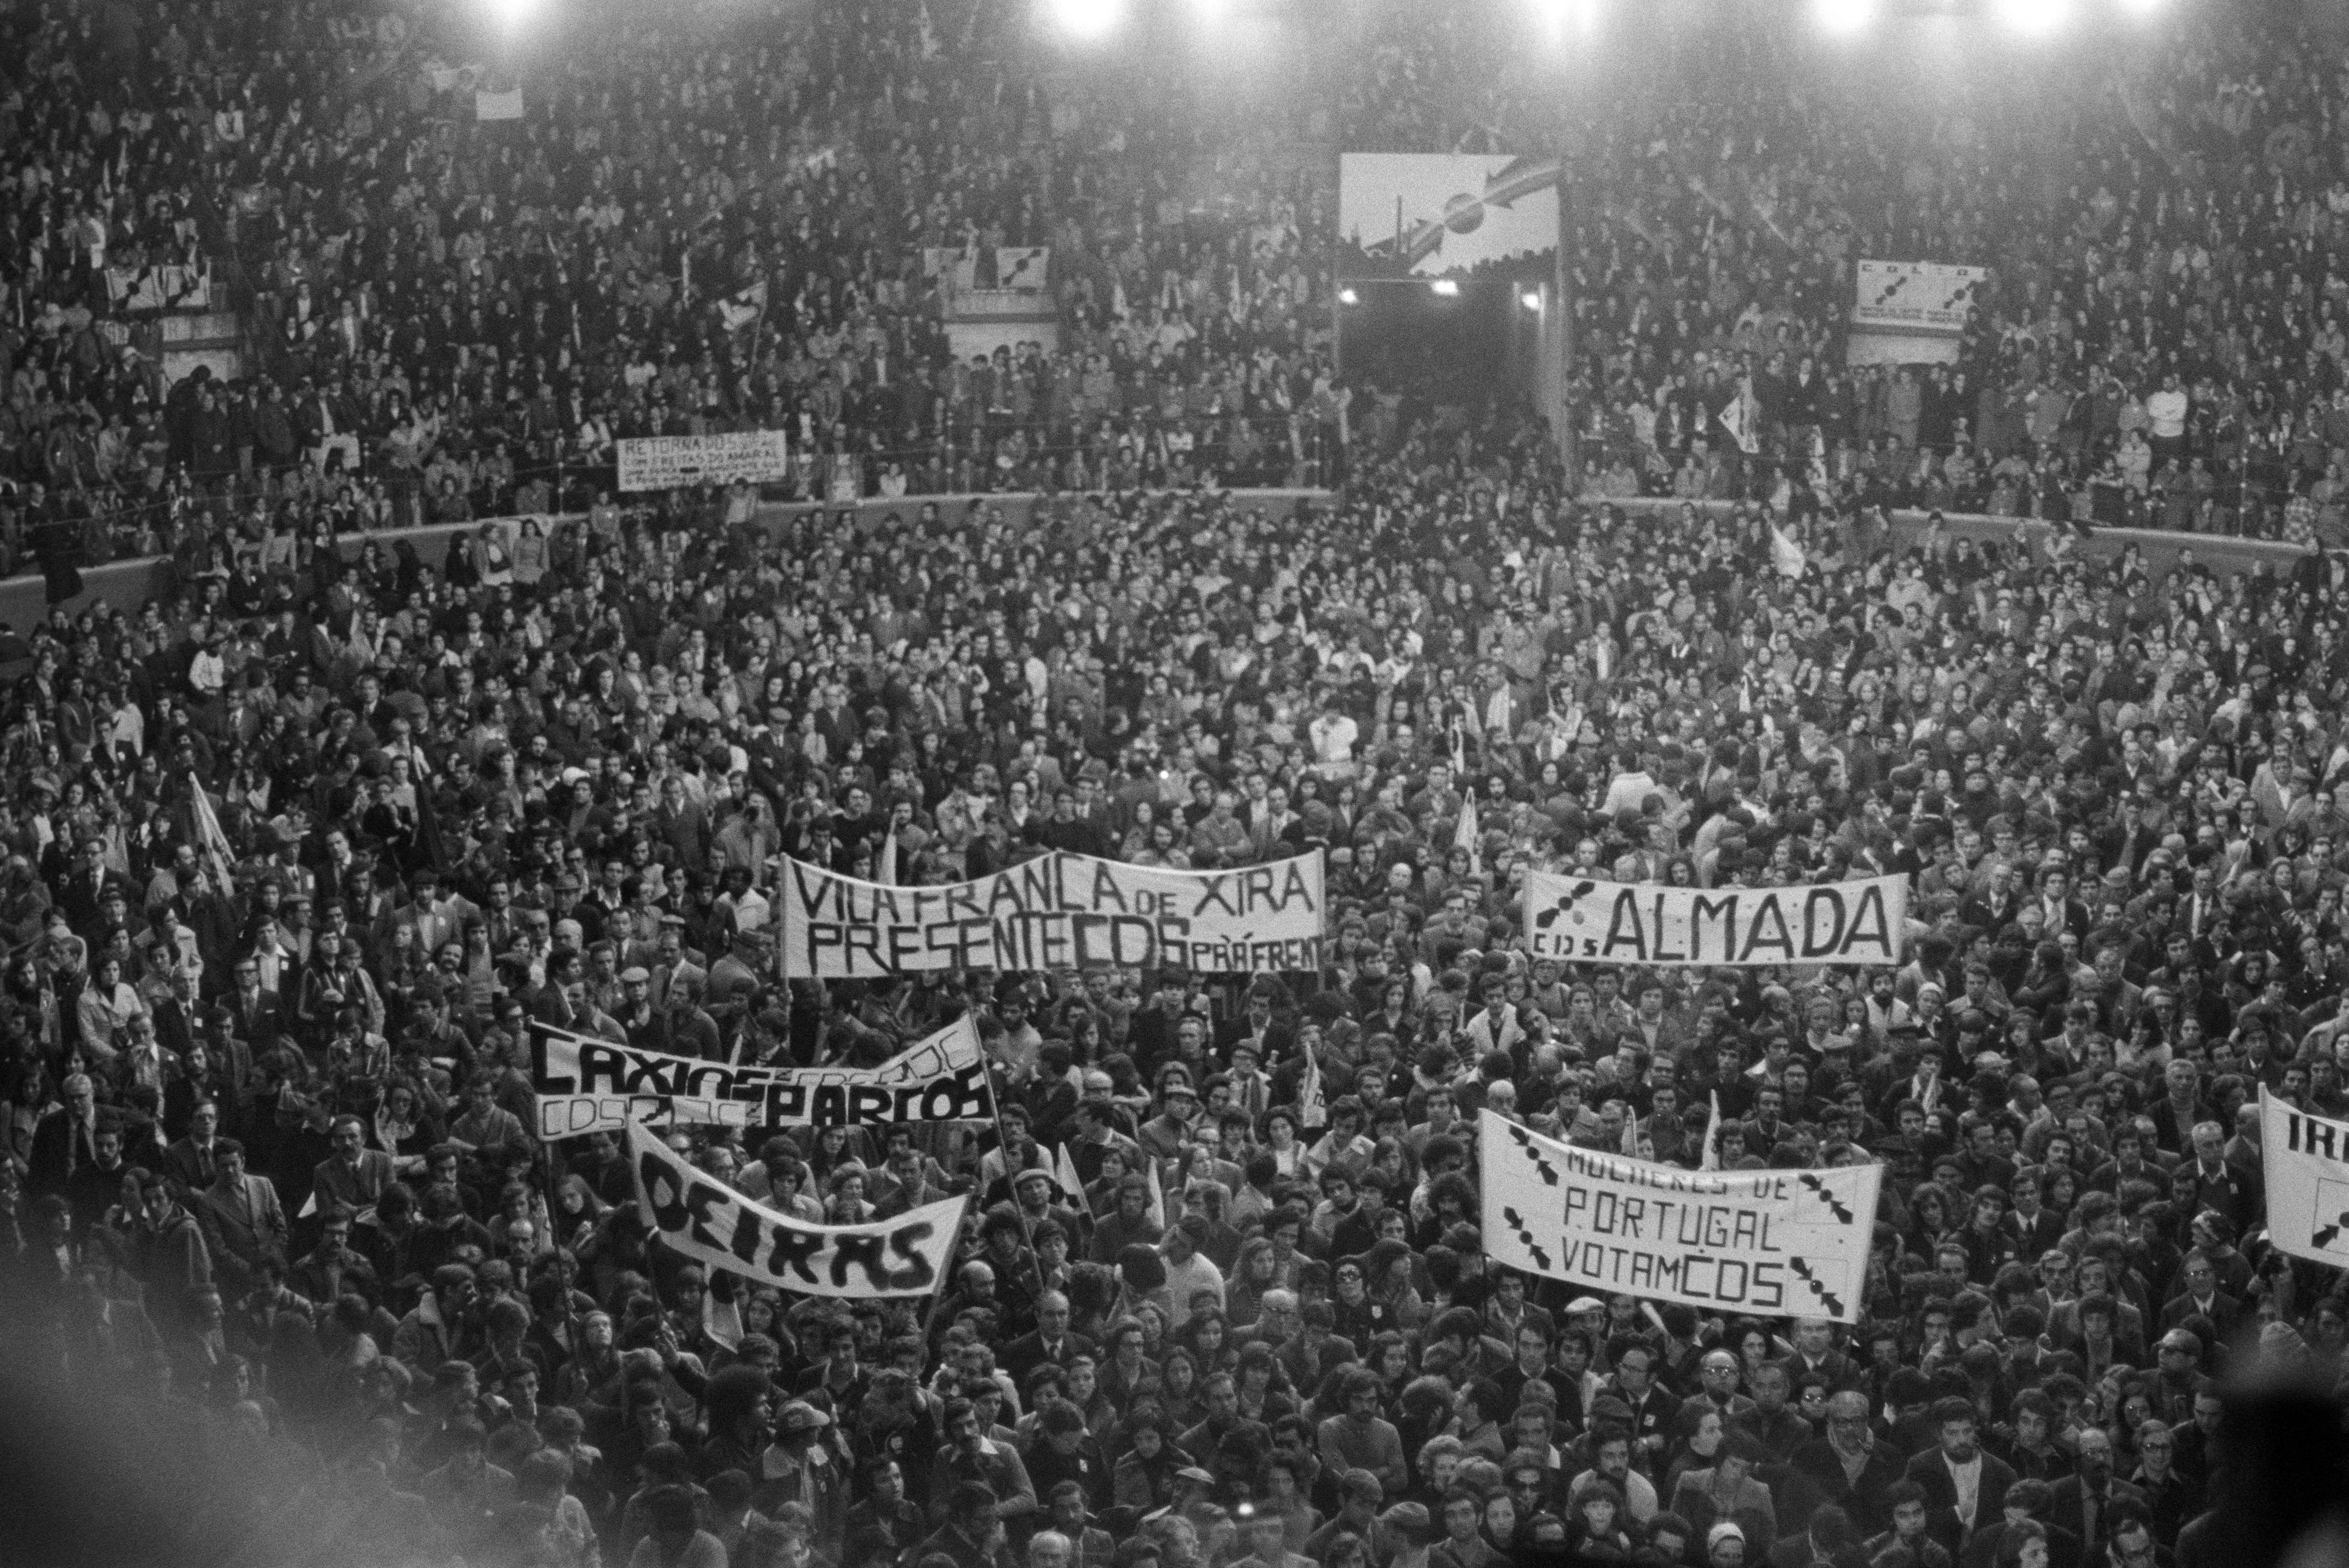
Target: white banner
584,1084
1915,296
1023,269
1791,1244
1580,919
2306,1159
170,287
661,463
1436,213
1056,911
717,1226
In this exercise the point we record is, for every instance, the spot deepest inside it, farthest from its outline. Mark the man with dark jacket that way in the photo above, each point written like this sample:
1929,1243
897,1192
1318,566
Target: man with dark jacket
2085,1501
1964,1487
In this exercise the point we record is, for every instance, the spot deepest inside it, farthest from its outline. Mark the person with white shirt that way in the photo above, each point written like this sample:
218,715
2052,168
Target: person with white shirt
1190,1273
2165,418
1964,1487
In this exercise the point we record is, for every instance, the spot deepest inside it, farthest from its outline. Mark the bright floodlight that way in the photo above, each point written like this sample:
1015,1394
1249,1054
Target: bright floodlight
1087,18
1844,17
511,14
2035,17
1347,296
1530,299
1444,288
1559,18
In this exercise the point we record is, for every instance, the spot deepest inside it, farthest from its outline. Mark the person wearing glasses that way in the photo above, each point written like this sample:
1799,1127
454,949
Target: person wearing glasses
2091,1501
2170,1498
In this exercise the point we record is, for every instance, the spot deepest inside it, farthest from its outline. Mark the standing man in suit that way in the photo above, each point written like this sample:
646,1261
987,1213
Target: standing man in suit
1964,1487
2085,1501
65,1141
243,1222
2200,1274
192,1162
353,1175
1051,1342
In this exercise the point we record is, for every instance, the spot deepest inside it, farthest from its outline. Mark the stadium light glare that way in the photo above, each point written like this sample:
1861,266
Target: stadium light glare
511,14
1444,288
1843,17
1561,19
1349,296
1530,299
1087,18
2033,18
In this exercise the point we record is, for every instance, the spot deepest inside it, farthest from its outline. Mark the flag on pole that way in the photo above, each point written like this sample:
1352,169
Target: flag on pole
1469,835
1064,1172
1711,1159
744,307
1742,418
210,842
1785,555
1311,1109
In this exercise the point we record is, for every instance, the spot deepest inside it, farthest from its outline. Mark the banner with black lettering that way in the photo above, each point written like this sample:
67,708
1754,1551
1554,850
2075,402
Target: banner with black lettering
1056,912
1790,1243
713,1224
1584,921
661,463
584,1084
2305,1161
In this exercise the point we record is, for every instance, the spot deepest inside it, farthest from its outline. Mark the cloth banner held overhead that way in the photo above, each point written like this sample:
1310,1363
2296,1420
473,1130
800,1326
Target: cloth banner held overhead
1581,920
1056,911
586,1084
743,308
662,462
722,1229
1772,1243
168,287
1915,296
2306,1159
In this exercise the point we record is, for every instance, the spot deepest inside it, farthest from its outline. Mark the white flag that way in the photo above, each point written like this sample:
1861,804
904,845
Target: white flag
212,843
1742,418
1785,555
1711,1159
743,309
1157,1210
1468,835
1064,1172
1311,1109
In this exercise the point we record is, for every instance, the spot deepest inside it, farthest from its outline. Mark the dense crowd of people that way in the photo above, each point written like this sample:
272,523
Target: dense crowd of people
271,1166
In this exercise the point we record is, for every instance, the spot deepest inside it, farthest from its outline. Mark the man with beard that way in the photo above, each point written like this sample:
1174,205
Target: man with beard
1964,1487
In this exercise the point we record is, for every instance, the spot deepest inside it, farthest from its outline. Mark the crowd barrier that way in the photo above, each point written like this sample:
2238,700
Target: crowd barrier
2221,553
127,584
